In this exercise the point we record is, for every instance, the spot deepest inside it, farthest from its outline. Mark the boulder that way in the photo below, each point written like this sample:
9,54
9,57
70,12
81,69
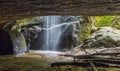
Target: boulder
103,37
17,38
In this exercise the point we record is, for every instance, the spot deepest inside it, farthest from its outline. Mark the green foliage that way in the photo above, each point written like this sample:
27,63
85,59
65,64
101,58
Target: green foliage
85,30
103,21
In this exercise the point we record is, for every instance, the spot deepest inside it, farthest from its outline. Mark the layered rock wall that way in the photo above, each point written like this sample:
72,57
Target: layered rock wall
16,9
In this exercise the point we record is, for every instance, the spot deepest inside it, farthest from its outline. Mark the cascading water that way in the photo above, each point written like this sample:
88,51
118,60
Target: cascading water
51,36
55,33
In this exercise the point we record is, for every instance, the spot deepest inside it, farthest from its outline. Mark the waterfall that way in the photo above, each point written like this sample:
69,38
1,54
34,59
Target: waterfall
51,37
55,33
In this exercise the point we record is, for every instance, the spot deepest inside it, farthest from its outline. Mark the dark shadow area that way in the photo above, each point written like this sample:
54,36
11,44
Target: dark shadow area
6,45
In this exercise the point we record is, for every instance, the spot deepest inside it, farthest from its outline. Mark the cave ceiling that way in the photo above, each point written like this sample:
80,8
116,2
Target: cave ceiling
18,9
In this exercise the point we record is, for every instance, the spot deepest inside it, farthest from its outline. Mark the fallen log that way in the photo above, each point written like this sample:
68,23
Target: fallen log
100,59
95,55
86,64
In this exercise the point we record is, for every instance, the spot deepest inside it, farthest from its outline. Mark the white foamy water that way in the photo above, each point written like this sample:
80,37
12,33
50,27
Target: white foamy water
53,29
52,36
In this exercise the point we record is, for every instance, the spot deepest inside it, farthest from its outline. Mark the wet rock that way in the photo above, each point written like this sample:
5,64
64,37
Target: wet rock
18,40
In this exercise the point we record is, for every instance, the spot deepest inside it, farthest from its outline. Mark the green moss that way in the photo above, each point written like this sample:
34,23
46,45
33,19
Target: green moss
10,63
23,22
68,68
77,68
102,21
108,69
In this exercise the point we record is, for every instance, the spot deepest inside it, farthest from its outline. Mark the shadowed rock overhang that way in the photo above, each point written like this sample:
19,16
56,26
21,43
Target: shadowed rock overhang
17,9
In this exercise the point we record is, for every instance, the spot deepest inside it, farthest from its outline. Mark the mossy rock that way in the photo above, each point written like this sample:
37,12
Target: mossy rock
104,37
